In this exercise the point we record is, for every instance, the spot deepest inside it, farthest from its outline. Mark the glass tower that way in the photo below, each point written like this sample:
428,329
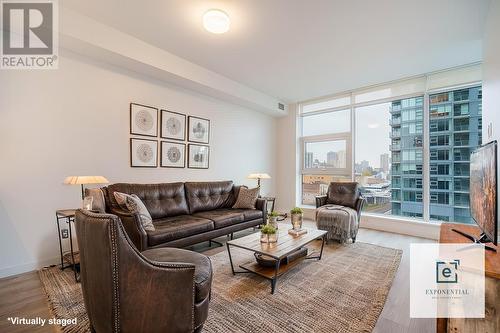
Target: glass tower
454,131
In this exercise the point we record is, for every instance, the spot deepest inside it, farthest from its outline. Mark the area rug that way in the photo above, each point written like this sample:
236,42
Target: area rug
344,292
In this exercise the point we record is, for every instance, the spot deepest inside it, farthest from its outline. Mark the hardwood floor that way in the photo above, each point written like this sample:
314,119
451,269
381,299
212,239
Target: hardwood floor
22,295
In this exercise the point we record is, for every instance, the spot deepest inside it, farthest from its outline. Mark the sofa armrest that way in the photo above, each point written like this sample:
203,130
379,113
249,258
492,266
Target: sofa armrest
321,200
261,204
133,227
359,206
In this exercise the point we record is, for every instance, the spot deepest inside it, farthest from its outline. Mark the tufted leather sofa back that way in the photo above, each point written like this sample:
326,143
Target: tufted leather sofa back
203,196
344,194
161,200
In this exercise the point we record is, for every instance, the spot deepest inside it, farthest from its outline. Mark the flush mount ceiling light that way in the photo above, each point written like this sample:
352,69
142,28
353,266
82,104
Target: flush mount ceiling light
216,21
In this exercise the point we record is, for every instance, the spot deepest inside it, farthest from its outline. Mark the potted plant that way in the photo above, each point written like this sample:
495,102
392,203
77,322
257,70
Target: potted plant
297,214
268,234
273,219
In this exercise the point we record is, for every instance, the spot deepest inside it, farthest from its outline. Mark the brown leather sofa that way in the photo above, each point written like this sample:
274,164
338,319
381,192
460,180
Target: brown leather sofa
184,213
124,290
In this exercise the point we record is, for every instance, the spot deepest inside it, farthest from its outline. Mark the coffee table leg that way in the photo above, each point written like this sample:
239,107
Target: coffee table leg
274,281
322,245
230,259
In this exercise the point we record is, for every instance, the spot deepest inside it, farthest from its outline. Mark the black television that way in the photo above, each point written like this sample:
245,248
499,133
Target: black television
483,191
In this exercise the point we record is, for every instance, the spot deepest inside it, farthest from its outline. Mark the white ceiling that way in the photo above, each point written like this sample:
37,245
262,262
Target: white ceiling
301,49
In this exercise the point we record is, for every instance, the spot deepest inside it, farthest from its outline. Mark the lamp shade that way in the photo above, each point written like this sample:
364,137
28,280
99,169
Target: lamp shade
82,180
259,176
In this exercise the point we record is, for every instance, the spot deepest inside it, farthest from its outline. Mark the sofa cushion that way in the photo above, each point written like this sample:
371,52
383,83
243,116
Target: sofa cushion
343,194
172,228
223,217
203,196
202,270
247,198
252,214
161,200
228,216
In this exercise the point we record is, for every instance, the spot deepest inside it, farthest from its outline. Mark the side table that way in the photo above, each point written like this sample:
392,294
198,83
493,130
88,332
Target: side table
72,257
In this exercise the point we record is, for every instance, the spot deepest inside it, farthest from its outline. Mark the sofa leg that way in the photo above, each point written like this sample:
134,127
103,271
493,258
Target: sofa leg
232,236
209,243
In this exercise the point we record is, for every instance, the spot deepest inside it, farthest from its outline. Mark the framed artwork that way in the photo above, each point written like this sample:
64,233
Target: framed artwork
173,155
143,120
143,153
199,130
173,125
198,156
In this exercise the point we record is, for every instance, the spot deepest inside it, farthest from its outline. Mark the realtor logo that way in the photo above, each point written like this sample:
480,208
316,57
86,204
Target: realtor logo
447,271
29,38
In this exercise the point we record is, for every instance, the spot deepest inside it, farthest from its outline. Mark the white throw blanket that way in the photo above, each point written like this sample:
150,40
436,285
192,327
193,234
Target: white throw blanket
340,222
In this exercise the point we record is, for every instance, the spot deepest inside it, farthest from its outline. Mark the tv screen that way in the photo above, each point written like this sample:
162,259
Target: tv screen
483,189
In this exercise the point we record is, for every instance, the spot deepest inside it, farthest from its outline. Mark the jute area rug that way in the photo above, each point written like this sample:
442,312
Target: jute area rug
344,292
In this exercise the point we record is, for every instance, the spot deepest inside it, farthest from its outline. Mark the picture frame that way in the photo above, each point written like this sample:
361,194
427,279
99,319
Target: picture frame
173,125
198,156
143,120
172,154
143,153
198,130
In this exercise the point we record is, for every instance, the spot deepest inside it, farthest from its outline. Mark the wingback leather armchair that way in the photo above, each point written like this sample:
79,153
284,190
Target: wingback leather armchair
344,194
124,290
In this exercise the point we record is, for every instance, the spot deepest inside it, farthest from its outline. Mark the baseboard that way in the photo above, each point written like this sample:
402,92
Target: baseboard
27,267
402,226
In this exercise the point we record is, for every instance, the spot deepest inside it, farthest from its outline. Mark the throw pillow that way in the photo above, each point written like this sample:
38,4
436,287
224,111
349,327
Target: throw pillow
98,202
246,198
134,204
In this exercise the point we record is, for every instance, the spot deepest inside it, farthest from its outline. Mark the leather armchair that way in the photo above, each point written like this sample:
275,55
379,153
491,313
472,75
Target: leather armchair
359,201
159,290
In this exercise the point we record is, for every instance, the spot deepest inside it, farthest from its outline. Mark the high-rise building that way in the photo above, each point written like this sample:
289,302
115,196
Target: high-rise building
332,159
308,163
384,163
454,131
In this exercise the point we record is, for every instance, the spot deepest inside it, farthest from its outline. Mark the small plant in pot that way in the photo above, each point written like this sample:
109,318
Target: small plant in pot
297,214
273,219
268,234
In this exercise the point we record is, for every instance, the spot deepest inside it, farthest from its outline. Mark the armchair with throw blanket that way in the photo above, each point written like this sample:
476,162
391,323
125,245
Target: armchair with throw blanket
339,211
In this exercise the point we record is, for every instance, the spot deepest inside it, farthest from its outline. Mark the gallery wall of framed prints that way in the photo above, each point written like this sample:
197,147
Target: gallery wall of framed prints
170,131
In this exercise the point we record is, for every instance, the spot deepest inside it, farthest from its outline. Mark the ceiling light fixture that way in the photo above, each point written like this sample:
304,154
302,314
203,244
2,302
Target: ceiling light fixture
216,21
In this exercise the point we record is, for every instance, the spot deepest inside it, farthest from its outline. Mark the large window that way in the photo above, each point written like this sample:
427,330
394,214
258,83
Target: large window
372,168
411,153
326,148
453,136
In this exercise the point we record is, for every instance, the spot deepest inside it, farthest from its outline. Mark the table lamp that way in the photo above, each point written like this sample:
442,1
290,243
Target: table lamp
258,176
84,180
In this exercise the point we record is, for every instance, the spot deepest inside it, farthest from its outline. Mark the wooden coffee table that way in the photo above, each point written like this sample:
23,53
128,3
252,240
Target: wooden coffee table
286,245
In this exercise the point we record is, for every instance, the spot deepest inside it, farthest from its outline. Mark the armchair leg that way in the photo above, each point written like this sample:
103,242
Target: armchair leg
354,239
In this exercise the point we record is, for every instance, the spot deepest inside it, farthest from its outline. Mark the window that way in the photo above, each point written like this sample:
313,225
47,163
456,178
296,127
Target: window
330,154
372,165
326,151
390,146
325,123
452,164
313,185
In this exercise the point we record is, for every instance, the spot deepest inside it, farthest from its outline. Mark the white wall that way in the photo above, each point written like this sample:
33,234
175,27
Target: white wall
491,75
75,121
